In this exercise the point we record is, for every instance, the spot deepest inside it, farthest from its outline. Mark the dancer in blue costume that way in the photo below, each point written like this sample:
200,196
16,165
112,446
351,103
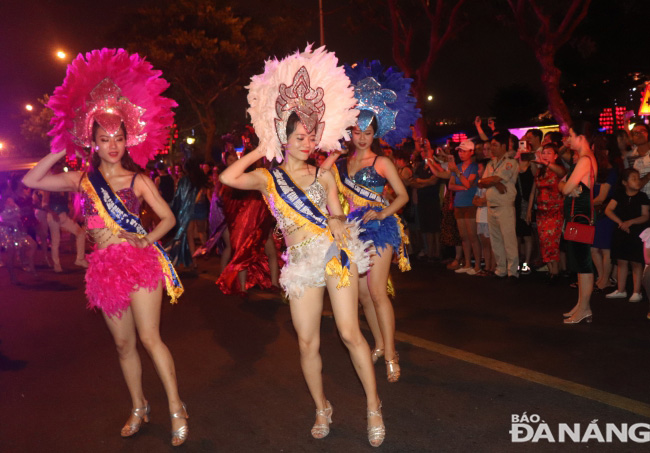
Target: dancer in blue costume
386,110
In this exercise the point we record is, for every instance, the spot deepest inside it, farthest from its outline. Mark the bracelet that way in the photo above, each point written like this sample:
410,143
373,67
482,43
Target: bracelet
342,218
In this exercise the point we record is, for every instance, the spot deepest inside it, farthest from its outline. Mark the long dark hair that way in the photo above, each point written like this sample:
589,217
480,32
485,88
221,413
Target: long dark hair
126,161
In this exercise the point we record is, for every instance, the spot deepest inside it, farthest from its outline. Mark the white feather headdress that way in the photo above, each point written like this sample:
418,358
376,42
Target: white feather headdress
309,84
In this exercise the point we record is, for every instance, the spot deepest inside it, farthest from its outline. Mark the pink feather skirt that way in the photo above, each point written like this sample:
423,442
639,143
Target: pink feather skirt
117,271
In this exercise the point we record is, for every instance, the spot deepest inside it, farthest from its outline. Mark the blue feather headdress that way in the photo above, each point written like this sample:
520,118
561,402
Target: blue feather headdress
385,95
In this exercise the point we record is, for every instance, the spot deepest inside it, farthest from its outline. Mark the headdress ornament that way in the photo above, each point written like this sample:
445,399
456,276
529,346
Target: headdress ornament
111,87
309,84
385,95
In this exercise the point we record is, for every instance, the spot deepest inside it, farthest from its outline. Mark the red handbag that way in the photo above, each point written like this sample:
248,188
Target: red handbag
581,232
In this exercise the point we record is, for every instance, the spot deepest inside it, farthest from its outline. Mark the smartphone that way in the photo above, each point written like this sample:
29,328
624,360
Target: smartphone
523,145
527,156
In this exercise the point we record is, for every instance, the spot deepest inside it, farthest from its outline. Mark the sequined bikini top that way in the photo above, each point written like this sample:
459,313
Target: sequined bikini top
128,197
368,177
316,193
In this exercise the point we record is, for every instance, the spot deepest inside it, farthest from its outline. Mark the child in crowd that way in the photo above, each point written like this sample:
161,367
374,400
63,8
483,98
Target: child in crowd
629,209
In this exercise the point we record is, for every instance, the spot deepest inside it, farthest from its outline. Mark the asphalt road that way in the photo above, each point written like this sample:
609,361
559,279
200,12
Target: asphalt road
476,354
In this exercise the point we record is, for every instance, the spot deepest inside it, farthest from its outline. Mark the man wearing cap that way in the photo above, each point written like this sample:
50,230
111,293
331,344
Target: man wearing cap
499,179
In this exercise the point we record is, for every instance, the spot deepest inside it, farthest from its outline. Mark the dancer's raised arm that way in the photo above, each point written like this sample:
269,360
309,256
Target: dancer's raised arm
40,178
235,175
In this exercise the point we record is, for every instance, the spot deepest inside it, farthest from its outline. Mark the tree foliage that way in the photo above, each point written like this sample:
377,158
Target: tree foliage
546,29
36,125
208,53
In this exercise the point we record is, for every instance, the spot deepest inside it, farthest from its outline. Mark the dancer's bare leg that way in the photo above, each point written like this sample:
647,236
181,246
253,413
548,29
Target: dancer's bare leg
346,315
369,311
272,255
377,280
124,336
306,317
80,238
146,307
55,238
227,251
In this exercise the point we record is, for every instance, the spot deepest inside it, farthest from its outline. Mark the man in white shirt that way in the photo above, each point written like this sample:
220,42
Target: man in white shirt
640,133
499,179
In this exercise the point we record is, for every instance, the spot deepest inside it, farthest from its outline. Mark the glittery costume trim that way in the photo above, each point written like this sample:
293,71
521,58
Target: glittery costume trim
336,265
307,262
174,292
356,200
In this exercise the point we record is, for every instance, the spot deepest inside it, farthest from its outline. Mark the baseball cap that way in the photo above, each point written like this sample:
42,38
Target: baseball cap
466,145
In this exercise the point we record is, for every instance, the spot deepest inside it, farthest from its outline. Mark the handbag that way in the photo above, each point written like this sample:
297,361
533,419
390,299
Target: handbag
581,232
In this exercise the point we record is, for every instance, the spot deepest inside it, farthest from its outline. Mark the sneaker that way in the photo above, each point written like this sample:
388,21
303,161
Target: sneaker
463,270
636,297
543,268
453,265
471,271
525,269
617,295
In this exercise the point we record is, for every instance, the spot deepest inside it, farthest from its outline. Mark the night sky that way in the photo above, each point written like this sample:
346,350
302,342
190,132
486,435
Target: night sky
484,57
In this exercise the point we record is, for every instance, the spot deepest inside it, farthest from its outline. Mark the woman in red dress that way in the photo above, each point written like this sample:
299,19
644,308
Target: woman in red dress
249,224
549,207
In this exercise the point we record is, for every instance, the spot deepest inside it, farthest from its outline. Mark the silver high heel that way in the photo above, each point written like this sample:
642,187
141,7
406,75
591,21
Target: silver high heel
376,434
586,318
393,371
142,416
180,435
321,430
377,353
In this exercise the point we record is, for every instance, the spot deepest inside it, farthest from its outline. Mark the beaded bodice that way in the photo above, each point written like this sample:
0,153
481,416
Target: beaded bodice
368,177
127,195
316,193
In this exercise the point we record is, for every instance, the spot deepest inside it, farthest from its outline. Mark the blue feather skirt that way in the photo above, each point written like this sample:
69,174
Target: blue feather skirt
381,233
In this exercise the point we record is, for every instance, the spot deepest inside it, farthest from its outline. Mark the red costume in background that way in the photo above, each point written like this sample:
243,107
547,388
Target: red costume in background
249,222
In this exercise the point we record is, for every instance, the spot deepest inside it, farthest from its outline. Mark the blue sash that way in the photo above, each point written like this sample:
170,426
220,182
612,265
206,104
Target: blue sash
298,200
286,198
117,218
349,187
361,196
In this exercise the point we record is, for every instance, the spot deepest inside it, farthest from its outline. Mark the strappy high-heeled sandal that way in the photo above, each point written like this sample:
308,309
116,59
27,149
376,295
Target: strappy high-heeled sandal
376,434
142,416
180,435
377,353
321,430
393,371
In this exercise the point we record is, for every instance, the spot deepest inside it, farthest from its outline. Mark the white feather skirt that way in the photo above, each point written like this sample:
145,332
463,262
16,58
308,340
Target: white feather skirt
306,261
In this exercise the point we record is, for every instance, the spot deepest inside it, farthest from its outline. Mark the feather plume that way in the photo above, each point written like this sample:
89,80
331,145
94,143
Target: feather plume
138,82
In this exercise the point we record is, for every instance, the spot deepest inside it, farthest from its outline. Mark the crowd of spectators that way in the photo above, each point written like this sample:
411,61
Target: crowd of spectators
491,205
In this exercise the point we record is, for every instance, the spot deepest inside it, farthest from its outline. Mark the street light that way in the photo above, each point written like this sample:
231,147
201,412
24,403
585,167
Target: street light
190,140
61,55
29,107
430,98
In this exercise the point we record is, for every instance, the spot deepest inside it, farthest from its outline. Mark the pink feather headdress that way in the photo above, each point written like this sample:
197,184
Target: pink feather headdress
111,87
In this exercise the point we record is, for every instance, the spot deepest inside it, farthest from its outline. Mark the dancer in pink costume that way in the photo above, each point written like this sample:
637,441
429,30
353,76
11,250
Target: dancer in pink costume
111,101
